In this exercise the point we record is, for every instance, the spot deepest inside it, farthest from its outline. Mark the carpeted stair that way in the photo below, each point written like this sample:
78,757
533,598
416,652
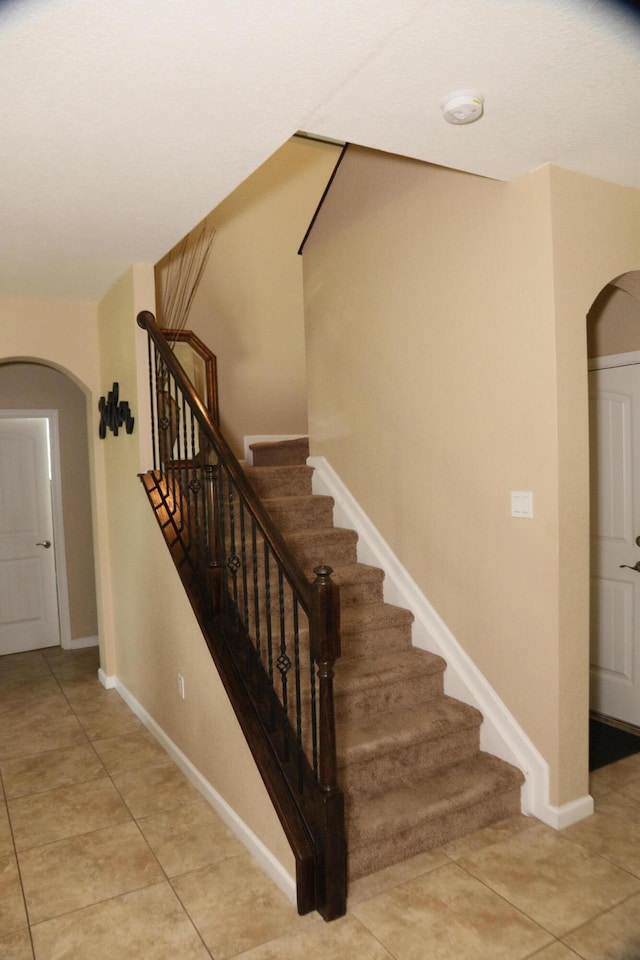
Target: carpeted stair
409,757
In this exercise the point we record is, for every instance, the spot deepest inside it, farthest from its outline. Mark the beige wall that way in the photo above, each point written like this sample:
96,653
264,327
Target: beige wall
249,307
596,237
155,633
31,386
431,365
613,324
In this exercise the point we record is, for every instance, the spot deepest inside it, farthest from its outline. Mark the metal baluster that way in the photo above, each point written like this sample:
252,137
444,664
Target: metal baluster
256,587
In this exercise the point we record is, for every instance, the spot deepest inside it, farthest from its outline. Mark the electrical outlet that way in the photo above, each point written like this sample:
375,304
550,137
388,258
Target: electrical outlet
181,686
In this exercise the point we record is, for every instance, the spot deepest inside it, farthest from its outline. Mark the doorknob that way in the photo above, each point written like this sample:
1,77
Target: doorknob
47,543
635,567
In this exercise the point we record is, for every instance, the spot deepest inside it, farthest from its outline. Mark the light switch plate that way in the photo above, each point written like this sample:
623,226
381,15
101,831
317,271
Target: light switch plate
522,504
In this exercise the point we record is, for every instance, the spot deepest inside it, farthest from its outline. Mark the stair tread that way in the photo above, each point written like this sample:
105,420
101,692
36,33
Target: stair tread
350,573
372,735
320,533
387,668
404,806
373,615
297,499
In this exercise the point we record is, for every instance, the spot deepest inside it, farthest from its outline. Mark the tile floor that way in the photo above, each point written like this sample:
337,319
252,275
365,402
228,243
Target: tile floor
107,851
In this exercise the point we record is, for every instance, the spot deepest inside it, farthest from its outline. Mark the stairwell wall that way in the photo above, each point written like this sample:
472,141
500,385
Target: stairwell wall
155,633
249,306
430,323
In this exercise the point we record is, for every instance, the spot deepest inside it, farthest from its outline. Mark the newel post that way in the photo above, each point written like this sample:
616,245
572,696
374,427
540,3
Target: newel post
331,874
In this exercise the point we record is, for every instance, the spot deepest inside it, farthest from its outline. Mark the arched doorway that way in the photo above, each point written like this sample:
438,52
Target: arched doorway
613,334
33,387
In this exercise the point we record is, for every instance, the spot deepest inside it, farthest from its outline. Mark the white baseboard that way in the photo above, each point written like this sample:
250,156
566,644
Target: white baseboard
108,681
266,438
500,733
79,643
261,854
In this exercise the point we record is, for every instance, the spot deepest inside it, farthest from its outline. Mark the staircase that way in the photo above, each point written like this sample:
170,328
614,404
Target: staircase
409,759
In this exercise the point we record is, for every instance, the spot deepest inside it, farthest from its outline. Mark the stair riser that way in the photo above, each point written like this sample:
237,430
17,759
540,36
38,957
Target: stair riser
431,833
294,482
352,704
280,453
397,767
334,551
305,515
369,591
369,642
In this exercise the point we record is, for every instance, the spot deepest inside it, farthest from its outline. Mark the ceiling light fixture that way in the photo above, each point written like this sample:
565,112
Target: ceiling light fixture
465,106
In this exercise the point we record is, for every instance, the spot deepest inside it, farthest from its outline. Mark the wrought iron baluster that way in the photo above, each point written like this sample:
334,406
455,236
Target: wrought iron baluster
150,356
245,592
298,691
256,587
283,662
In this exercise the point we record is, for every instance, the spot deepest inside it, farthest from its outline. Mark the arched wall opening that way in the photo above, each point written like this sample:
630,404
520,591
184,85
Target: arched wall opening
28,384
613,348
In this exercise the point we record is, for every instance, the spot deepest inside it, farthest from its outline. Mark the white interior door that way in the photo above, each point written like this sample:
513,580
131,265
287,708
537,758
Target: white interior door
29,616
614,395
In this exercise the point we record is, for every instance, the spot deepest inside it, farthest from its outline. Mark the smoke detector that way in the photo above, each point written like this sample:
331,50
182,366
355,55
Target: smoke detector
465,106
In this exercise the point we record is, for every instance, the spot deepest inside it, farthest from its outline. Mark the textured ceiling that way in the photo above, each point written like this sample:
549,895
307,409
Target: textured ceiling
124,122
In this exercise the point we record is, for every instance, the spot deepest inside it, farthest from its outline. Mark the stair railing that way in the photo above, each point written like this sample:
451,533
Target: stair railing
273,633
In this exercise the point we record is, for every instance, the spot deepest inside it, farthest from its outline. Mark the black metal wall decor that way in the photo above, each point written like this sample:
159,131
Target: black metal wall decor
114,414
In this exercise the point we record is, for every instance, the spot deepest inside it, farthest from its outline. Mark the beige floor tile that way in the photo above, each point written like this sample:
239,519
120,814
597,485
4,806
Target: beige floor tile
49,704
617,803
631,789
130,751
76,663
29,665
614,836
103,720
614,935
154,789
488,835
598,783
620,773
46,771
393,876
39,736
29,691
447,914
556,951
86,688
65,812
236,907
6,840
148,924
189,837
89,868
13,918
344,939
16,946
556,882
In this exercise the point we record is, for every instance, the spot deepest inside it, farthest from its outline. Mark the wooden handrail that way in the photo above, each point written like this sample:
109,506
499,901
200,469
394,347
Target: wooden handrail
212,432
303,789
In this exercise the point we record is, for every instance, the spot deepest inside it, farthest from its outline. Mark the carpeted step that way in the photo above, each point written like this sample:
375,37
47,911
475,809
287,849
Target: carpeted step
369,685
334,546
372,629
393,747
359,583
283,481
400,822
273,453
408,756
300,513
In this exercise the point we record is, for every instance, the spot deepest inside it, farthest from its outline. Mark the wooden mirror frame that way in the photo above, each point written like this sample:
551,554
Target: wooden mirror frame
208,387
